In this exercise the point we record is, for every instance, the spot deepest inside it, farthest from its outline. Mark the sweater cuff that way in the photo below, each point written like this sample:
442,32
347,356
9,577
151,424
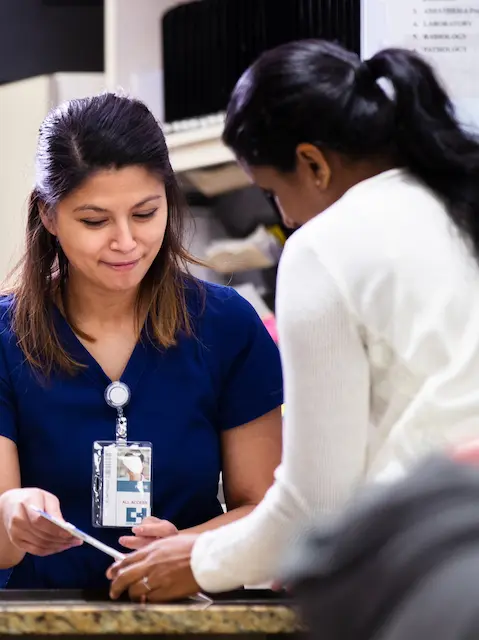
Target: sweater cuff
206,565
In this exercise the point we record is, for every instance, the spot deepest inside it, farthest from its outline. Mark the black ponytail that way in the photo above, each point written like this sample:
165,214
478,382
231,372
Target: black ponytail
430,141
315,91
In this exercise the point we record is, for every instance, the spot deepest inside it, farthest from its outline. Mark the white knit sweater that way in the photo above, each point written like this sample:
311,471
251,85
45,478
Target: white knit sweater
378,317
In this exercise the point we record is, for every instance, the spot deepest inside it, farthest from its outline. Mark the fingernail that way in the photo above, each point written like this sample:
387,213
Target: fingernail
138,530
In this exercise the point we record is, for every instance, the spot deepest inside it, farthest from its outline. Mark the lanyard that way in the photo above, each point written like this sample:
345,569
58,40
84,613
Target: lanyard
117,396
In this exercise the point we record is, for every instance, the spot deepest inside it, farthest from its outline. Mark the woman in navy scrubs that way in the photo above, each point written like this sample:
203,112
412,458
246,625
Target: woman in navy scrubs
103,294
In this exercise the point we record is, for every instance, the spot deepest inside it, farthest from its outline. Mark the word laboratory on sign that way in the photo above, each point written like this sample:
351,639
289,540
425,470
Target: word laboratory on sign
445,27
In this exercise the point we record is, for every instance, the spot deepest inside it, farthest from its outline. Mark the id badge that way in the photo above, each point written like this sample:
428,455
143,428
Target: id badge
121,487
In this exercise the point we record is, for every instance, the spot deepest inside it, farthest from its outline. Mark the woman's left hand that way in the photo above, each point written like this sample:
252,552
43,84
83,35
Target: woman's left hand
157,573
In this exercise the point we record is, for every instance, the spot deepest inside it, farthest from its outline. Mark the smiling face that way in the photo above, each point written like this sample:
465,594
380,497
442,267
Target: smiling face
112,227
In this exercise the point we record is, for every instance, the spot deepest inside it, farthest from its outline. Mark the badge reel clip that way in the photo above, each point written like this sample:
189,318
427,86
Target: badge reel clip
117,396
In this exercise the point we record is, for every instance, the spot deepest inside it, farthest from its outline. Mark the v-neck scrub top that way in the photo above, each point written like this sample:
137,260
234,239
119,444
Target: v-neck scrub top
225,375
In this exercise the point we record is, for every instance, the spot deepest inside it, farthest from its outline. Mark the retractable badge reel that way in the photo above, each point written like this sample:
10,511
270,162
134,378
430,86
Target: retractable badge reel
117,396
121,470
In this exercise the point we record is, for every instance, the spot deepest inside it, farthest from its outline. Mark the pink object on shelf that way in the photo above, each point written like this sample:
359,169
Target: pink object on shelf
270,324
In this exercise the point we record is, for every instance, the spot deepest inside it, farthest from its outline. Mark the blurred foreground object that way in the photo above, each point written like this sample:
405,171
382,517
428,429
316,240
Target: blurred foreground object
468,452
402,563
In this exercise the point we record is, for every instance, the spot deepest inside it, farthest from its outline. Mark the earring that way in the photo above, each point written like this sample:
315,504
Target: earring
318,183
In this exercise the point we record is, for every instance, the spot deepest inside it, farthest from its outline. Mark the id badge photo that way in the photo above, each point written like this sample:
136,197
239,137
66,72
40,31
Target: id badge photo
121,483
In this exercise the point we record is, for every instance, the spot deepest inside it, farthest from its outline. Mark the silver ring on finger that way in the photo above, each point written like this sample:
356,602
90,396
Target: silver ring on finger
146,583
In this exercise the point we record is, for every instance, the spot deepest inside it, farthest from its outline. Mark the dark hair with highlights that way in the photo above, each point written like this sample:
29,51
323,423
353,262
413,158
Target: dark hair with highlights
77,139
315,91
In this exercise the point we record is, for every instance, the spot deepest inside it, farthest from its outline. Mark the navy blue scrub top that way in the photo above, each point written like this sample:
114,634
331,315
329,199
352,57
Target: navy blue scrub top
182,398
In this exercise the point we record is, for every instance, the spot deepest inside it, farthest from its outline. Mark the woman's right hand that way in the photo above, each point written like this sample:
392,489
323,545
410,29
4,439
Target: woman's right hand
27,530
148,531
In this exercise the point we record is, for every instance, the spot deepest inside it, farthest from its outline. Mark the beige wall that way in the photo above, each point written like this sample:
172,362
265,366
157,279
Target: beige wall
23,106
133,53
22,109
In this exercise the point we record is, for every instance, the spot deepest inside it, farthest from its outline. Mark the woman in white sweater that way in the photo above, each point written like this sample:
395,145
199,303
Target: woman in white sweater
378,295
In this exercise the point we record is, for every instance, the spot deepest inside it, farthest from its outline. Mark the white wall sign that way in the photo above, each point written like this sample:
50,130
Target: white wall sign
446,32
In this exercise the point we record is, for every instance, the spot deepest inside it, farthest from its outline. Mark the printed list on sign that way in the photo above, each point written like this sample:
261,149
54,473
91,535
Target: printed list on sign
446,32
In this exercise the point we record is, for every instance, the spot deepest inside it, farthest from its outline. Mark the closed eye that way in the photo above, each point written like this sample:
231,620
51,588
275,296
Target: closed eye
145,214
93,223
98,223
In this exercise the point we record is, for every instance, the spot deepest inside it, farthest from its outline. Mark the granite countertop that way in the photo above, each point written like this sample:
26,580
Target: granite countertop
70,615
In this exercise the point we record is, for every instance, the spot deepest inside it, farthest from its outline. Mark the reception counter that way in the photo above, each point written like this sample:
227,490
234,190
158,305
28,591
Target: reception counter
74,614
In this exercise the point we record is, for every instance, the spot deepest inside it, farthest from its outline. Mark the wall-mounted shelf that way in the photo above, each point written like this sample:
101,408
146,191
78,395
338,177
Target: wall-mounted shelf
197,144
197,152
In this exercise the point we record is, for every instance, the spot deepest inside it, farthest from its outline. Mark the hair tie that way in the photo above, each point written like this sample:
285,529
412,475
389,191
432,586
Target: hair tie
367,77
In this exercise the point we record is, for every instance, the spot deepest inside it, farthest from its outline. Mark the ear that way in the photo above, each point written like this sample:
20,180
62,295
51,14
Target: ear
312,160
48,219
